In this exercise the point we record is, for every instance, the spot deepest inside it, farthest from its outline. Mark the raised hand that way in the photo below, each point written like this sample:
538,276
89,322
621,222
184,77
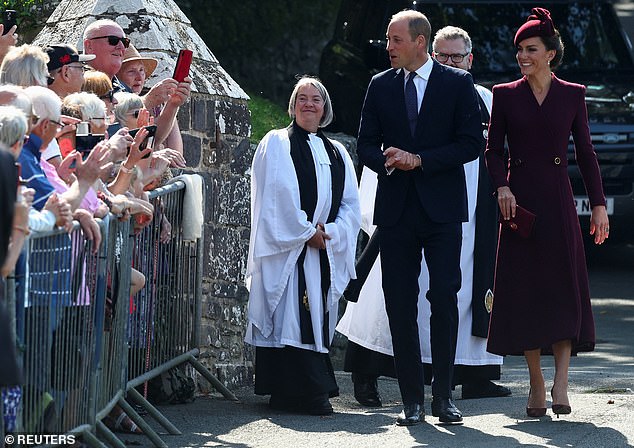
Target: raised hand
159,93
119,144
97,164
182,92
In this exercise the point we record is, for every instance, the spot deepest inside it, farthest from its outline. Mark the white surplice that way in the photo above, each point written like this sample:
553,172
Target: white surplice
279,231
365,322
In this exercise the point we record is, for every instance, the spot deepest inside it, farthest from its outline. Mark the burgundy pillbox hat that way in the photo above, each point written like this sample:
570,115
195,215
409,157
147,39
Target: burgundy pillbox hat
538,24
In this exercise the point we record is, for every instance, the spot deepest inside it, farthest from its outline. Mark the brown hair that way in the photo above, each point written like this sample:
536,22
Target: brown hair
96,82
554,43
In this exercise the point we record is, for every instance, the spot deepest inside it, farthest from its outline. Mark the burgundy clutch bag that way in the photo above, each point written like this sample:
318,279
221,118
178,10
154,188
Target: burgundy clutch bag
522,224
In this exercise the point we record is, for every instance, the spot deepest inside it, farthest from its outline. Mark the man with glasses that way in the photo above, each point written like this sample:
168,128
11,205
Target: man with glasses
474,366
66,69
107,41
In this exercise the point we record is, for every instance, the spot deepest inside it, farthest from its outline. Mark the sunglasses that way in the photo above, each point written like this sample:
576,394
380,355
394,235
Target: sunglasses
114,40
135,113
109,95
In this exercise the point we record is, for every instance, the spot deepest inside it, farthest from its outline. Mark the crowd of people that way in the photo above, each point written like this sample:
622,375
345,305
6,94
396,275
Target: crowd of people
75,146
477,259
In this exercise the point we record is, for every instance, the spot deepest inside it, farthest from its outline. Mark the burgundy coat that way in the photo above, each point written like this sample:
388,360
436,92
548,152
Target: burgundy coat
541,293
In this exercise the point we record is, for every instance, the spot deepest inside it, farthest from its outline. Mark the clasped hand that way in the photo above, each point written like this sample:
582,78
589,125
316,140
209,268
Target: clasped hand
318,240
403,160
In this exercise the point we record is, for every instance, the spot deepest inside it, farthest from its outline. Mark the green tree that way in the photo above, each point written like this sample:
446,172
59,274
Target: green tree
30,16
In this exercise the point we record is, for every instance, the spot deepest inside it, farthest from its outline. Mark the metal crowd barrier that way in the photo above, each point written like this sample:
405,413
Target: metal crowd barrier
164,315
56,304
86,345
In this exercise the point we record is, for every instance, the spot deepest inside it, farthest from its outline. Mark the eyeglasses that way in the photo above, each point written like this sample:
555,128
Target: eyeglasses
59,125
135,113
49,80
97,118
109,95
34,119
456,57
114,40
82,67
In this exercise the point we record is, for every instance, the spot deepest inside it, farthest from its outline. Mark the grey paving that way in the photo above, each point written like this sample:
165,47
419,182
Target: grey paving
601,396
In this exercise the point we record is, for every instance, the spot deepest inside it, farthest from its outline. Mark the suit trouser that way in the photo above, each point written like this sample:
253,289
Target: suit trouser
401,249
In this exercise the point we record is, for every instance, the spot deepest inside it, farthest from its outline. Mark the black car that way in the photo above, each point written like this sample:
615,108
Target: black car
597,54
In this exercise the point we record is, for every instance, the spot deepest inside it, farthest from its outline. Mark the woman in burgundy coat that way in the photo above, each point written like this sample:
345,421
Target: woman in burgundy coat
542,299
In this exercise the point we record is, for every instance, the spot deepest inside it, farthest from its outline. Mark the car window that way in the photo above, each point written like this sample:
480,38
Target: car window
586,29
589,31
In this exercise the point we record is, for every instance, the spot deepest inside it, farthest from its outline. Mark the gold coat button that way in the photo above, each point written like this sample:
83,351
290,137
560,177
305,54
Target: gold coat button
557,160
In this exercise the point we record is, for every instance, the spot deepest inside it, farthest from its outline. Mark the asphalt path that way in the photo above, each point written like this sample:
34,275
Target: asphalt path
601,396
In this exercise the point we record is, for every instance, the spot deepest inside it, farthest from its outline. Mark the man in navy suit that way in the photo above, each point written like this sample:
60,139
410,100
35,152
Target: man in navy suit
417,138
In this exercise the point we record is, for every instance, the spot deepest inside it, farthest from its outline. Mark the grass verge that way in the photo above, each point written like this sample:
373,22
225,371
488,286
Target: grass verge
265,115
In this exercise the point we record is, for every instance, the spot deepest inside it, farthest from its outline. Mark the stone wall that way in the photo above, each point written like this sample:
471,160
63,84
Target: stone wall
215,126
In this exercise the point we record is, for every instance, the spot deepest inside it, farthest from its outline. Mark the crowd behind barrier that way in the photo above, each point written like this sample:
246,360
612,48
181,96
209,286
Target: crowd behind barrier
84,343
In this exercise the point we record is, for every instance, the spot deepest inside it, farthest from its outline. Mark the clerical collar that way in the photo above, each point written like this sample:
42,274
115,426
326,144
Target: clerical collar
304,133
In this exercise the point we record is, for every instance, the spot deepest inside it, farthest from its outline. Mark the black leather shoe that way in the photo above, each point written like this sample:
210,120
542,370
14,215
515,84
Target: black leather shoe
366,390
283,403
317,405
412,414
445,410
484,389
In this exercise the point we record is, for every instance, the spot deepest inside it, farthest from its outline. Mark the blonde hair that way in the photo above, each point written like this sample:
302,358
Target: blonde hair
25,66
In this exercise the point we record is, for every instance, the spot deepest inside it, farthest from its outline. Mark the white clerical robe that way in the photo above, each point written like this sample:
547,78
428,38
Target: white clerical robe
279,231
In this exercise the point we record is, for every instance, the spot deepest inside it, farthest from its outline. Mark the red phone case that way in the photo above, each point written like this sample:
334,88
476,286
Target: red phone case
181,71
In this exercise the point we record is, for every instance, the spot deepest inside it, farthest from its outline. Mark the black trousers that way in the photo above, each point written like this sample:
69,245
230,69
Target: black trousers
401,248
367,362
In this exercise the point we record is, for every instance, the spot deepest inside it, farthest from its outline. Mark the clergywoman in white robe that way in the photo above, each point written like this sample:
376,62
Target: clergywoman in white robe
305,219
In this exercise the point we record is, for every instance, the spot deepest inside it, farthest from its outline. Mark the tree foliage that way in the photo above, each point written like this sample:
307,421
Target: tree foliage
30,16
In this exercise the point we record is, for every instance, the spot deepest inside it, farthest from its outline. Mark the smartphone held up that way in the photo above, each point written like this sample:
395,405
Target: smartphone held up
148,141
183,63
85,141
8,20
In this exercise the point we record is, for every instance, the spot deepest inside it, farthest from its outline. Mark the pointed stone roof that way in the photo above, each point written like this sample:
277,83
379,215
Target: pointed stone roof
157,28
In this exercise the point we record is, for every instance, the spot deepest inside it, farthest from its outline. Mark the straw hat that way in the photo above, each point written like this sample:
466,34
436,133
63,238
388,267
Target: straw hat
131,54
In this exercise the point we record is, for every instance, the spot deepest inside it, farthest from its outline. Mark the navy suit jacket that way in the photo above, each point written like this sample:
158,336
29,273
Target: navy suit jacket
448,135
